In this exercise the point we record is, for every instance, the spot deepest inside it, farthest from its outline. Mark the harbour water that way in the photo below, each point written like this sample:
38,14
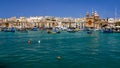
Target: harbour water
77,50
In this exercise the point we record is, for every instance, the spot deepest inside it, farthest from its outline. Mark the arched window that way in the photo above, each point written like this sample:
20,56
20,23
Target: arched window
89,22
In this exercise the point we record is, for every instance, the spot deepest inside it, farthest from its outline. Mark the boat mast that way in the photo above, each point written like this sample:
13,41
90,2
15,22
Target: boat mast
115,14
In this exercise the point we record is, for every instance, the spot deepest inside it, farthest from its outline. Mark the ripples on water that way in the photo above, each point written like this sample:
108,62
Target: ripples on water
78,50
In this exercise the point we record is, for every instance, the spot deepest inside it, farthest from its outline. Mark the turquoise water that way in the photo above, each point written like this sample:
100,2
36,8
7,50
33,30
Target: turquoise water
77,50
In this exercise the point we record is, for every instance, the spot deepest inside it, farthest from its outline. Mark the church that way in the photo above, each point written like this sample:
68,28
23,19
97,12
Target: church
93,21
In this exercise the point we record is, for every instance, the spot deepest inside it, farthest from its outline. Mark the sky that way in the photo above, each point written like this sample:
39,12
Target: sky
58,8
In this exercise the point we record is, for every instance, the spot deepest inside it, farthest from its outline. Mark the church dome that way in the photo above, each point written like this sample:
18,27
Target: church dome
96,14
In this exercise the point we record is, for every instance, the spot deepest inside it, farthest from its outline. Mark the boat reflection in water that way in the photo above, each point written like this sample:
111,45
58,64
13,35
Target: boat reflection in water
89,30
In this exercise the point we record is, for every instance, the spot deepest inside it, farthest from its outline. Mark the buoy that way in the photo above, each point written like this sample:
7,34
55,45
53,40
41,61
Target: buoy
59,57
29,42
38,41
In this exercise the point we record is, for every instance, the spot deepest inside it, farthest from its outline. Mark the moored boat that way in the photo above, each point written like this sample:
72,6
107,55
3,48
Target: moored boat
107,30
53,31
71,31
6,29
34,29
22,30
116,29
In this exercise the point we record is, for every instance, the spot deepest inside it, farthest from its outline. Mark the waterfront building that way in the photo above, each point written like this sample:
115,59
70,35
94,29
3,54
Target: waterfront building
23,22
90,21
35,21
7,22
1,22
111,22
68,23
59,22
94,21
49,22
80,23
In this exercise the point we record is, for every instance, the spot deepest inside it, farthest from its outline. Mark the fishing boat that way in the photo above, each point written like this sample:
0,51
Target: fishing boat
34,29
107,30
116,29
22,30
53,31
6,29
71,30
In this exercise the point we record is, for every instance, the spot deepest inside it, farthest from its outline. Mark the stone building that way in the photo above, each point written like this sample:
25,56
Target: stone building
93,21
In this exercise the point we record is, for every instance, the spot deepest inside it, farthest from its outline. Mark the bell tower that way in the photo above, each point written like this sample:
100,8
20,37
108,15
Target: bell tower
89,21
96,15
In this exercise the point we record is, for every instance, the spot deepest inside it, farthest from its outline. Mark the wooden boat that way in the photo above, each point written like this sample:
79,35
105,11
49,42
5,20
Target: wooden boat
53,31
107,31
116,29
71,31
34,29
22,30
8,29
